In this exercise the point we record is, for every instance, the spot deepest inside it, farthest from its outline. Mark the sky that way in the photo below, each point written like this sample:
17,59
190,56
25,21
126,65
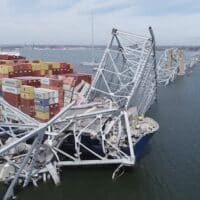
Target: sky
175,22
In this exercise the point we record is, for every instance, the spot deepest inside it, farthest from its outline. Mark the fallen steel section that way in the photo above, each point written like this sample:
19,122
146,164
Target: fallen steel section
171,63
104,128
193,61
127,71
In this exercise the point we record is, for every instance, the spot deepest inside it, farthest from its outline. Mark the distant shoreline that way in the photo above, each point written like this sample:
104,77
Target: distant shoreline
74,47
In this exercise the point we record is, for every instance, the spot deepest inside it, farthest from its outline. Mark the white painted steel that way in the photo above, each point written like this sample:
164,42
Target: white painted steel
128,71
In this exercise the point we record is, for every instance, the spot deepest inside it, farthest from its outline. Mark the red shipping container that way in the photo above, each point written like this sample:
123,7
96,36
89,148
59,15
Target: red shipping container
55,71
22,66
75,78
56,83
28,106
31,81
4,76
21,73
39,73
28,110
10,57
13,99
27,102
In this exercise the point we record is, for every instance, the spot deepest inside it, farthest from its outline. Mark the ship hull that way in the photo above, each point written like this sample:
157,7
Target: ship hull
95,146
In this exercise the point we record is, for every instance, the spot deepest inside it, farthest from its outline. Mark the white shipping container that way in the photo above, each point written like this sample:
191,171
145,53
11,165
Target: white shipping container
41,94
68,87
45,81
12,90
51,94
11,82
54,94
53,100
68,93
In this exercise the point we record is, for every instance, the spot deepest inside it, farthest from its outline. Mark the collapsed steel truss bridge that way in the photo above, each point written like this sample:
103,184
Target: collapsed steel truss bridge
106,125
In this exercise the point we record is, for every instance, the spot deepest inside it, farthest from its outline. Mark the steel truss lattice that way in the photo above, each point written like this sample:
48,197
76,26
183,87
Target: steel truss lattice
127,71
193,61
106,127
171,63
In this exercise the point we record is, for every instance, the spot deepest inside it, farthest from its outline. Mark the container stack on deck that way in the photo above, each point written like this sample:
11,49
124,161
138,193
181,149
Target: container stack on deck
40,68
5,71
46,103
73,84
11,91
30,80
21,69
54,84
27,96
17,66
40,89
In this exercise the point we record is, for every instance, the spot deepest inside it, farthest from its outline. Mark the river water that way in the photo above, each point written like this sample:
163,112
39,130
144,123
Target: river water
170,166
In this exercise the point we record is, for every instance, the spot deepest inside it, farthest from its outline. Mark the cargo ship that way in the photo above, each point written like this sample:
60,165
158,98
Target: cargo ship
52,116
41,89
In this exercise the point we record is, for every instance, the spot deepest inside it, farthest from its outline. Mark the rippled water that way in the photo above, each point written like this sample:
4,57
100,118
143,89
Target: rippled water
170,167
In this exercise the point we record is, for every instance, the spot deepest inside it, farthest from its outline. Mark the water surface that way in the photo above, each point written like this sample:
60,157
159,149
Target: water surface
170,166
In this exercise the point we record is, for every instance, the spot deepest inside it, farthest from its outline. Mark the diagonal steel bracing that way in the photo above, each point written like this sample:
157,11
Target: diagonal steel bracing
127,71
101,130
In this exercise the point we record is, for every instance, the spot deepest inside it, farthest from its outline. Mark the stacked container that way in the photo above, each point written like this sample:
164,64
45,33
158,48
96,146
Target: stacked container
10,57
68,87
30,80
54,84
38,88
11,91
27,100
61,68
5,71
6,62
40,68
73,84
53,66
46,104
81,91
21,69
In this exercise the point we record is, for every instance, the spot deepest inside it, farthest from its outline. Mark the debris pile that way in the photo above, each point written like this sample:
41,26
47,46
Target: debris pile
171,64
101,121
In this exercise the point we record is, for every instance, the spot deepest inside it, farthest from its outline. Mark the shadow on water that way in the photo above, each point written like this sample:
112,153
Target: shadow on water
93,183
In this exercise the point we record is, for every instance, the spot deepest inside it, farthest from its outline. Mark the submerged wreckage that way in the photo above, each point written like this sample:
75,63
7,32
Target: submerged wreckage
105,126
171,63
